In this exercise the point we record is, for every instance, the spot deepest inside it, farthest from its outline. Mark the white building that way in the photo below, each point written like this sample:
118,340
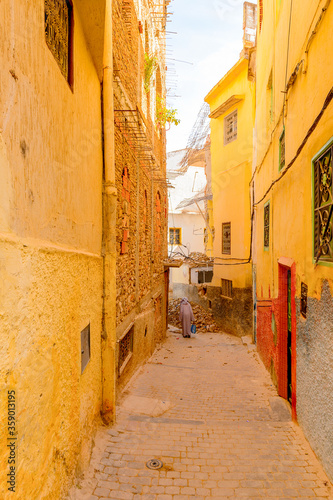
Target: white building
187,219
186,211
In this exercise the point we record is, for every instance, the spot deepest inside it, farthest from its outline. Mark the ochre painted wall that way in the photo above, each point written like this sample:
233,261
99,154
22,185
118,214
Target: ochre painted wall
291,198
305,63
231,174
141,233
50,252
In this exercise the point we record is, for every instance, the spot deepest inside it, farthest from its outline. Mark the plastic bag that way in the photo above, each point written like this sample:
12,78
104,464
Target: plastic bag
193,328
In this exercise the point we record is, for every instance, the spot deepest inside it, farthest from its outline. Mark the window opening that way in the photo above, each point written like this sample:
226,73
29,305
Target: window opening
226,286
230,127
175,236
266,225
125,349
205,277
282,150
323,207
59,33
85,347
226,238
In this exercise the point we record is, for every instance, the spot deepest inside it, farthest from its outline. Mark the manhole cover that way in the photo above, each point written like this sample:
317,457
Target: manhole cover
154,464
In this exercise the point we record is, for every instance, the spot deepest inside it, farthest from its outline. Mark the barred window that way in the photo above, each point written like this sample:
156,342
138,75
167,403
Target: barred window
125,349
230,127
59,34
282,150
175,236
226,286
266,225
323,206
226,238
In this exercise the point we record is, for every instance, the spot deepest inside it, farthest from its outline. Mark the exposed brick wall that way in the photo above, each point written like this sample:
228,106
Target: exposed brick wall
140,174
126,211
145,248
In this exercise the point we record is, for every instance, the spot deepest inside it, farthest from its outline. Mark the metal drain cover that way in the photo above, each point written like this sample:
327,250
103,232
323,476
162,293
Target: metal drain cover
154,464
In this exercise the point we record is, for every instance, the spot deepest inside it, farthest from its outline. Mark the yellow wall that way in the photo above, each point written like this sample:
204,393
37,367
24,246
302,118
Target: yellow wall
50,251
291,198
209,241
231,174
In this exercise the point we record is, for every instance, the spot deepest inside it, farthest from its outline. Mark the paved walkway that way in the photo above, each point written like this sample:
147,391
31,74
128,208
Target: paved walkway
206,408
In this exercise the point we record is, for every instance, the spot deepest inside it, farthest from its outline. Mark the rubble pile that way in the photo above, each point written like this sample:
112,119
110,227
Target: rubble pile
203,319
199,259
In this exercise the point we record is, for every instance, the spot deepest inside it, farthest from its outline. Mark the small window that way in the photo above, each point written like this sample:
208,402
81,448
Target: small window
323,206
266,225
59,34
175,236
205,277
282,150
226,238
230,127
125,349
226,286
85,347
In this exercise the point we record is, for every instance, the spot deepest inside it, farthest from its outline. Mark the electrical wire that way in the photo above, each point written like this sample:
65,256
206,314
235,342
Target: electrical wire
313,127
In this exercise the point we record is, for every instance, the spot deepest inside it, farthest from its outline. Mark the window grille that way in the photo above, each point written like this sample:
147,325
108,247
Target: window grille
226,286
230,127
266,225
226,238
323,248
282,150
58,33
175,236
125,348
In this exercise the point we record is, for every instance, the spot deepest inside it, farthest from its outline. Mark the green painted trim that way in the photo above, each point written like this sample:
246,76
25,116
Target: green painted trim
282,133
266,249
313,161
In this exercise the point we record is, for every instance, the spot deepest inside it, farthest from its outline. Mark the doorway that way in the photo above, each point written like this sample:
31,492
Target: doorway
287,333
289,347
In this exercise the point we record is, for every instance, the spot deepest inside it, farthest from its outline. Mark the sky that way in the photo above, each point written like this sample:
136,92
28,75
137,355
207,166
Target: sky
209,35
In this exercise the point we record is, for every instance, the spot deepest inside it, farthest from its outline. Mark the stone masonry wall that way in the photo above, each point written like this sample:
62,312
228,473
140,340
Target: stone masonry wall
141,188
314,375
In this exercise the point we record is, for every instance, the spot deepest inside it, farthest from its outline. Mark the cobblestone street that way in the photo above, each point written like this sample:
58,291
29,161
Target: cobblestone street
207,409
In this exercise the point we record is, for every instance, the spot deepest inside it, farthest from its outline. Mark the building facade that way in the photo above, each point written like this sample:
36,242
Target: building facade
140,165
74,272
232,105
292,240
188,222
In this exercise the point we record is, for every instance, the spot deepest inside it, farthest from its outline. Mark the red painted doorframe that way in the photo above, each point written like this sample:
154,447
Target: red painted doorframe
286,265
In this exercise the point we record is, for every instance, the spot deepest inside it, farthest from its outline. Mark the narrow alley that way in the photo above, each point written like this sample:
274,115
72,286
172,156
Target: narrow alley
206,408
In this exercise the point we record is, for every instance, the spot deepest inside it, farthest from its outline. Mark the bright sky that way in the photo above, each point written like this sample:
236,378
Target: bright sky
209,35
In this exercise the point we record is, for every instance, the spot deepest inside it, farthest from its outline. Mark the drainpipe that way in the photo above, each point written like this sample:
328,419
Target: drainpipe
109,338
